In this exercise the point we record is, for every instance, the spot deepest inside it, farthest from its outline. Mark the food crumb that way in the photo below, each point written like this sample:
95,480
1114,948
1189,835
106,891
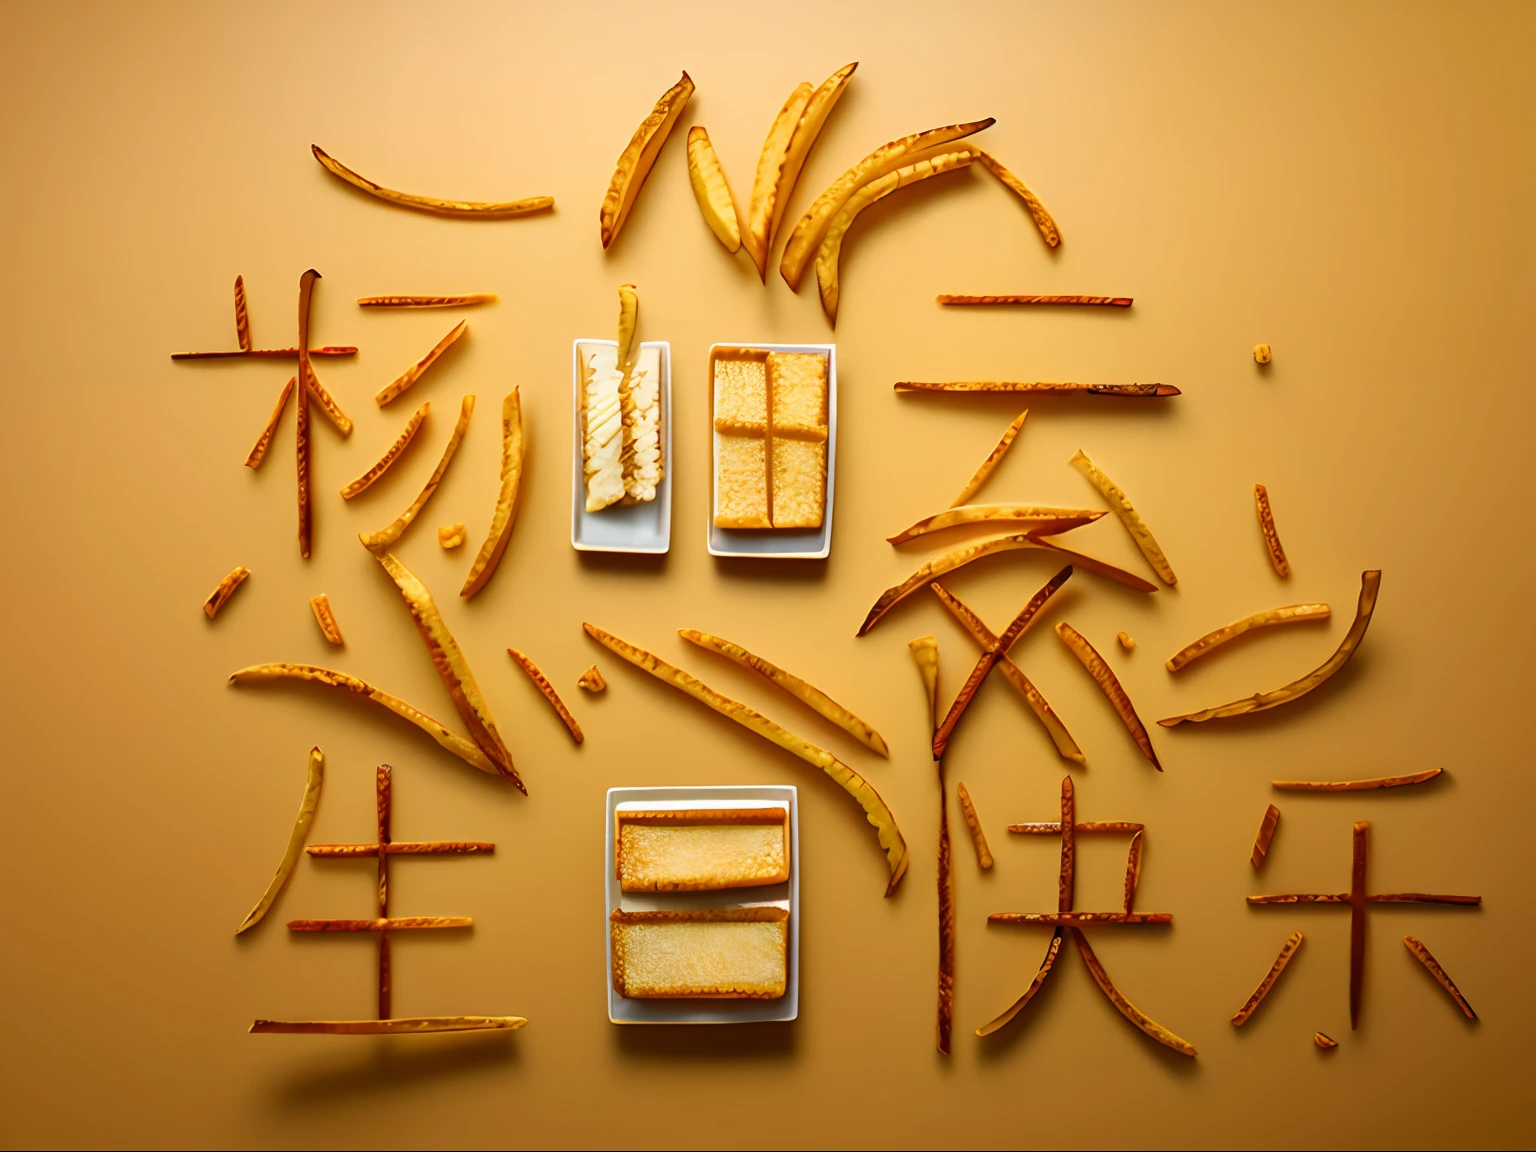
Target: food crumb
1261,353
451,535
1125,641
592,680
1324,1041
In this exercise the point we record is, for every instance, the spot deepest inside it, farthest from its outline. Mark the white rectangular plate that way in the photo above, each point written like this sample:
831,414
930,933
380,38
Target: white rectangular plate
643,527
778,543
786,896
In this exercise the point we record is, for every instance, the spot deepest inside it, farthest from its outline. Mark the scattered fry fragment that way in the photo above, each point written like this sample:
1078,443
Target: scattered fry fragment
639,154
1127,514
541,682
1271,536
307,806
807,693
242,317
464,301
1135,1015
1110,686
712,192
925,651
484,210
1125,641
1048,230
973,822
1290,614
1262,355
321,605
264,441
1324,1041
415,372
399,1026
1001,1021
994,458
384,539
451,666
592,680
757,237
1038,520
875,809
225,590
1251,1005
451,535
1370,585
1016,298
391,455
1356,785
505,511
1261,842
1039,386
1432,966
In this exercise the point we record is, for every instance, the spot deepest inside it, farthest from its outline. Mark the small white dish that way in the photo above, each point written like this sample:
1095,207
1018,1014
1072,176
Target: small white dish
786,896
644,528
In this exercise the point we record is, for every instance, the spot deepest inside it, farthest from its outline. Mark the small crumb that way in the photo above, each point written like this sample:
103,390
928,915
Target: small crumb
450,535
1125,641
1261,353
1324,1041
592,680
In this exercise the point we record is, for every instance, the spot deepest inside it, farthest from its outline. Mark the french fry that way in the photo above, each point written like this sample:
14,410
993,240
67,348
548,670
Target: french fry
326,618
1261,842
1322,1039
460,747
541,682
891,841
415,372
925,652
308,804
451,535
451,666
1105,678
301,434
592,680
1079,919
391,454
482,210
220,595
264,441
1251,1005
629,318
1356,785
1081,827
467,300
503,515
1370,585
808,233
1067,879
1037,386
1016,298
973,822
1052,950
401,1026
383,924
268,353
1128,516
1271,535
829,254
954,560
1125,641
1132,871
757,237
637,158
1432,966
384,539
401,848
1293,613
1135,1015
803,691
242,317
1048,230
1039,520
994,458
328,406
712,192
807,132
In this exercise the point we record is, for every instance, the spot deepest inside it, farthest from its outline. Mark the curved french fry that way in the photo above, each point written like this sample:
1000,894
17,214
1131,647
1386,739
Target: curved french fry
875,809
1251,1005
1048,230
307,806
399,1026
1039,386
505,512
485,210
1128,516
242,317
637,158
1040,521
393,390
1290,614
806,237
1109,684
1132,1013
381,541
464,301
770,172
807,131
1270,533
994,457
829,254
391,454
541,682
220,595
1001,1021
1265,836
973,822
1370,585
321,606
1432,966
1356,785
264,441
710,189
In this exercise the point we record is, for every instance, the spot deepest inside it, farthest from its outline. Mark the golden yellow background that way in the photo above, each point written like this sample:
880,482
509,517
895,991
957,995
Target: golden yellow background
1349,183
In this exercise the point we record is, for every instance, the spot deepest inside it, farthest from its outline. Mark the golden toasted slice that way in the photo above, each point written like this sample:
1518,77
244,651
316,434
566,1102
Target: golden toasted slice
482,209
799,483
1251,1005
637,158
1134,525
741,391
1042,218
979,477
711,190
797,383
697,850
770,171
741,482
602,427
640,404
220,595
1038,521
1010,298
705,954
269,429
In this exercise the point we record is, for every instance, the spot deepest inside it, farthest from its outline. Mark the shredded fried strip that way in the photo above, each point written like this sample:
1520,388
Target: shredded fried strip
264,441
1271,535
384,539
1132,1013
875,808
391,455
415,372
401,848
1424,957
1128,516
326,618
479,209
381,924
1291,614
427,301
541,682
301,435
1014,298
1067,878
1042,386
503,515
1080,919
1105,678
1132,872
1040,521
994,458
1356,785
1001,1021
1287,950
1370,585
307,807
220,595
973,822
1048,230
1261,842
402,1026
242,316
925,651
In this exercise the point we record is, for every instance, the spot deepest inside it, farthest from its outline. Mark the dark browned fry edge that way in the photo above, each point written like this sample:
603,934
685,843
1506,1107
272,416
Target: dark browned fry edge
226,588
1271,535
1324,1041
1356,785
1109,684
383,805
972,821
258,451
242,316
1267,826
1014,298
1065,880
392,454
541,682
1043,386
1251,1005
1432,966
1360,846
1132,872
405,1026
1132,1013
1001,1021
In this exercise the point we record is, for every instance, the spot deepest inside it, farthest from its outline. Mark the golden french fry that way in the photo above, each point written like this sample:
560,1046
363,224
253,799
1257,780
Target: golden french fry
1251,1005
414,373
321,606
710,189
1290,614
592,680
264,441
1132,871
1038,386
460,747
1105,678
384,539
484,210
1322,1040
242,317
806,237
875,809
1266,835
328,406
770,171
807,132
451,666
502,516
807,693
1040,521
1271,535
993,459
1125,641
382,924
925,651
464,301
307,807
1356,785
629,317
391,454
226,589
973,822
830,253
541,682
1432,966
1020,298
400,1026
1370,585
1001,1021
451,535
635,161
1048,230
301,434
1128,516
1132,1013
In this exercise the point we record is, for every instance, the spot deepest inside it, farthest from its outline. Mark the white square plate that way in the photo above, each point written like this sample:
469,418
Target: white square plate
786,896
643,527
777,543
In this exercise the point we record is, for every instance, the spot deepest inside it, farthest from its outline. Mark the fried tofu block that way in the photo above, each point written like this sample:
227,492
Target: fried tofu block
695,850
797,383
799,483
741,482
715,953
741,392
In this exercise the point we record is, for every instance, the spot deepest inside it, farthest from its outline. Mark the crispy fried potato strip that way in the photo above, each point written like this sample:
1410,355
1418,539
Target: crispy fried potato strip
242,317
1039,520
1048,230
802,690
505,512
264,441
592,680
391,455
1370,585
382,924
994,458
328,406
541,682
308,805
875,809
460,747
1261,842
1132,1013
639,155
1432,966
415,372
1251,1005
384,539
1271,534
1291,614
451,666
1121,505
973,822
711,190
764,205
1132,871
301,433
1356,785
1041,386
479,209
1017,298
220,595
326,618
925,652
401,1026
1109,684
807,132
466,300
1052,950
